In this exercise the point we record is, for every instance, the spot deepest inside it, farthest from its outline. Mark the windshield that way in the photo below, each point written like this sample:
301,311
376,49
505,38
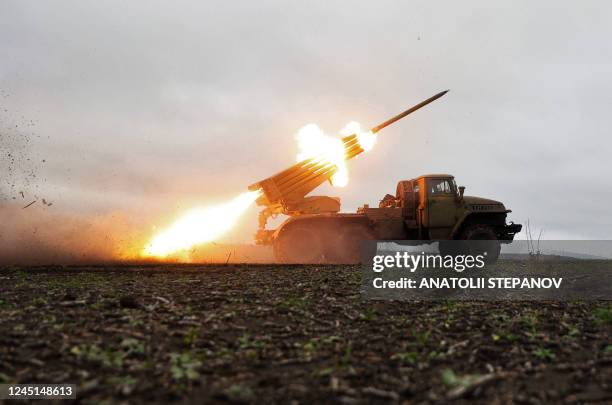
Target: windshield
441,186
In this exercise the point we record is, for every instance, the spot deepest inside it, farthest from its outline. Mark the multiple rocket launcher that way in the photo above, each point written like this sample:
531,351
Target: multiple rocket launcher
285,191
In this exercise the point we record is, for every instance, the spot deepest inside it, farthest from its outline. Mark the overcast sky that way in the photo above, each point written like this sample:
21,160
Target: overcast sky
149,108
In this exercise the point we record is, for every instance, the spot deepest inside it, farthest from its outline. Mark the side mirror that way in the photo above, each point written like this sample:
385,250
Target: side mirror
461,191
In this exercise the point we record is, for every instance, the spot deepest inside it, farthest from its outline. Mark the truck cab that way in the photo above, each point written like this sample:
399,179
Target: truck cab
434,208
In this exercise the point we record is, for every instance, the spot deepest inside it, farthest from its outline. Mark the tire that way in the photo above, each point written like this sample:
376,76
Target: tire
483,241
453,248
299,244
352,235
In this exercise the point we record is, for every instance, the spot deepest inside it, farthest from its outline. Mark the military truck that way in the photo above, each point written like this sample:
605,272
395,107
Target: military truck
427,208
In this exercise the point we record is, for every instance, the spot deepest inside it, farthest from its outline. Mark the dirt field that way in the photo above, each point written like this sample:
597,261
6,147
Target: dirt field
277,333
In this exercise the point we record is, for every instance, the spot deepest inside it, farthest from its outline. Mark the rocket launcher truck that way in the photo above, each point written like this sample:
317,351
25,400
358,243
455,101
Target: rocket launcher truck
426,208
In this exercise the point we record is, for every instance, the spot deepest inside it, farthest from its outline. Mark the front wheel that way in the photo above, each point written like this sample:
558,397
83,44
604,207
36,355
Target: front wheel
482,241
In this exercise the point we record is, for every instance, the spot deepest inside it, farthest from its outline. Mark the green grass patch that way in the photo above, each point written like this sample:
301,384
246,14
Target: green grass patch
504,336
184,366
452,380
543,354
94,354
368,315
406,357
239,393
603,316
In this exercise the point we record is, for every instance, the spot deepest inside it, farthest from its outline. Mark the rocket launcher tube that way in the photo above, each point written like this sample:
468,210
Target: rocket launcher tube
294,183
312,168
352,149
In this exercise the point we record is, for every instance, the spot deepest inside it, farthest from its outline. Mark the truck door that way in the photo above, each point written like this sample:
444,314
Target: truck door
441,207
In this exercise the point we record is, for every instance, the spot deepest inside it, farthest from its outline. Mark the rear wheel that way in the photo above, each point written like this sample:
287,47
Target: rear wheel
352,236
483,241
299,244
323,241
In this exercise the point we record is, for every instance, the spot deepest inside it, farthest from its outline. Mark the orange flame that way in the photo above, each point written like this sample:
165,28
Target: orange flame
313,143
199,226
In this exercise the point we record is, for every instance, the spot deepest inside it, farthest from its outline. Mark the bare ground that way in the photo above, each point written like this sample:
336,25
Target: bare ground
246,333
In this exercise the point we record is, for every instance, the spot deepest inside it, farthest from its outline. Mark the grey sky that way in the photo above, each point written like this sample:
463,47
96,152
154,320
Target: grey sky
153,107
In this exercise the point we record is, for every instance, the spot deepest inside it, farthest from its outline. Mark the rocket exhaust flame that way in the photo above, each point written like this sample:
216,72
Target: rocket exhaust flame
326,150
365,139
199,226
314,144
